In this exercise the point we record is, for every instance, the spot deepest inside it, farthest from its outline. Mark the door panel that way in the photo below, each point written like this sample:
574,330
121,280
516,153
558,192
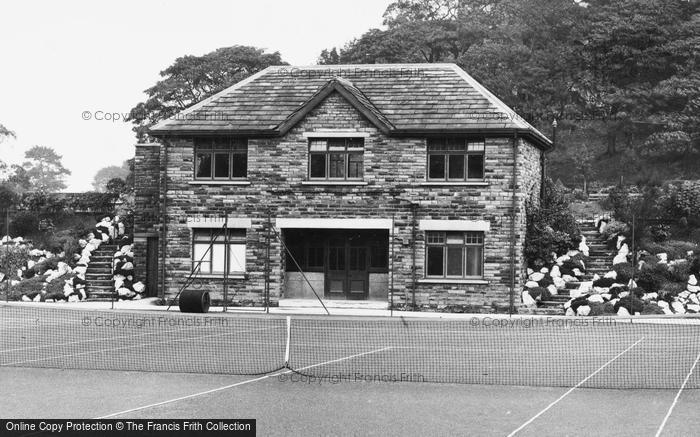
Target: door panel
347,267
358,275
337,278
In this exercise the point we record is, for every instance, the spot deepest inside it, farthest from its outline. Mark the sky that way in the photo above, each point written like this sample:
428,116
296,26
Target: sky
60,61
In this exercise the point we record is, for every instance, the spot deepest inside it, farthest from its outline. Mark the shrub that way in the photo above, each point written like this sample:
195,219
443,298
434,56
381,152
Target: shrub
653,278
659,233
631,304
13,258
670,290
551,226
24,223
597,308
675,249
613,229
685,201
624,272
652,308
679,271
26,286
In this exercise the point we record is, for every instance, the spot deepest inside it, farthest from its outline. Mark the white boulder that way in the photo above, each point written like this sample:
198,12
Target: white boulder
583,310
622,312
528,301
537,276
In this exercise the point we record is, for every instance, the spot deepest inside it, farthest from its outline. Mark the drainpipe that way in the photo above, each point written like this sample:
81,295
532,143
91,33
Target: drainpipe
512,224
414,233
163,217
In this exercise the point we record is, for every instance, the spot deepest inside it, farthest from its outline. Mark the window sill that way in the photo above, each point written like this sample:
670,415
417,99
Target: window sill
455,184
230,276
349,183
219,182
453,281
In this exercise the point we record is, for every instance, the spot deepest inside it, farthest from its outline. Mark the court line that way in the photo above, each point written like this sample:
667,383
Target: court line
248,381
520,428
127,347
678,395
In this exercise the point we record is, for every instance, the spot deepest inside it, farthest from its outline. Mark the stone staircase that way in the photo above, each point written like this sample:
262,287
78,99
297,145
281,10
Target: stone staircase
599,262
99,274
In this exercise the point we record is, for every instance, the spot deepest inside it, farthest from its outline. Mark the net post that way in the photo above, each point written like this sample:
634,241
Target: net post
226,261
267,262
289,338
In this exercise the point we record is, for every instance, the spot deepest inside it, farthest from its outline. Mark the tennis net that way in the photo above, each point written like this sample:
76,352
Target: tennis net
587,352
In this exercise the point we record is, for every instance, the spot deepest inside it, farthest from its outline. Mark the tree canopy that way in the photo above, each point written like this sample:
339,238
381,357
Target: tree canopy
621,76
193,78
43,170
106,174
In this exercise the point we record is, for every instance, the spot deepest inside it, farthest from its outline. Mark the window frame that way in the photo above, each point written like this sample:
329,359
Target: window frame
234,147
346,152
238,239
451,147
467,242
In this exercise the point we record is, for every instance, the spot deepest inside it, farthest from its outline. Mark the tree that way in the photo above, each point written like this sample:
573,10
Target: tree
115,186
43,169
193,78
643,57
329,57
5,133
106,174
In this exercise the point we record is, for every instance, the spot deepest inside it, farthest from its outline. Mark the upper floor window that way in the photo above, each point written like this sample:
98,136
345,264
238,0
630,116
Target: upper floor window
336,158
455,159
220,158
454,254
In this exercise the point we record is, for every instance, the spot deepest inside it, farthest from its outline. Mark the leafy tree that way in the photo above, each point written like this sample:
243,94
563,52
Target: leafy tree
193,78
115,186
44,170
107,174
5,133
329,57
643,57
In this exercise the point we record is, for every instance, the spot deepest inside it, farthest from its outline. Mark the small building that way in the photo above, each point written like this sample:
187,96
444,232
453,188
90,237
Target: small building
402,183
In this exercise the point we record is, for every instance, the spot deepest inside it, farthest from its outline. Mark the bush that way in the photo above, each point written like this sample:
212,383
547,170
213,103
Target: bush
652,308
614,229
659,233
631,304
24,223
13,258
675,249
624,272
551,226
685,201
653,278
26,286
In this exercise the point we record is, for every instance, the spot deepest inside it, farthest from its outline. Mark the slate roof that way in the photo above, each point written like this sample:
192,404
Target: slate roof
400,99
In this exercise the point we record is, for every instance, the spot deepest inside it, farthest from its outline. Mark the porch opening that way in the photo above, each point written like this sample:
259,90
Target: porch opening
350,264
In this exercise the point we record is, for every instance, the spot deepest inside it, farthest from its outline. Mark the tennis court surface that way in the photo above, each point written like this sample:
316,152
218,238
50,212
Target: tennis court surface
316,375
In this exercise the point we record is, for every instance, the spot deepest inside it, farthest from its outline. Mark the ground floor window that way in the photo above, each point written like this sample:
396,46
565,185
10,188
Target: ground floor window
209,249
454,254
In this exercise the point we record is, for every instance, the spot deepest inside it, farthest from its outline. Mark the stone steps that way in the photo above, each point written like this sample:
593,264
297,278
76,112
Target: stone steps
98,277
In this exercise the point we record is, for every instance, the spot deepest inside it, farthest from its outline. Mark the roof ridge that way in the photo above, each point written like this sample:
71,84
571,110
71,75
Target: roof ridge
388,65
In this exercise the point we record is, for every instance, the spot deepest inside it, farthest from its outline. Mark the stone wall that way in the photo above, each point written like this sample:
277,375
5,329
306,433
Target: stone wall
147,201
394,187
